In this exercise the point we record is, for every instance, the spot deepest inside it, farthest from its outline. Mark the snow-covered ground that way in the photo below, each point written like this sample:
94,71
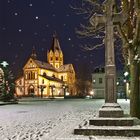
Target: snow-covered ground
51,120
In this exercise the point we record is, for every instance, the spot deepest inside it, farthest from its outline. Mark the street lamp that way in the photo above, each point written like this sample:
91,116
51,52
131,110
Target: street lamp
64,86
126,81
42,87
117,83
52,87
126,74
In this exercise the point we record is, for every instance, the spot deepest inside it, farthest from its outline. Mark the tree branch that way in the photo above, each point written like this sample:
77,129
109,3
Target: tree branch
91,47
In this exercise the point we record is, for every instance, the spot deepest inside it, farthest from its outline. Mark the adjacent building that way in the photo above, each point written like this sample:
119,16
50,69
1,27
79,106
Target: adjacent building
52,78
98,81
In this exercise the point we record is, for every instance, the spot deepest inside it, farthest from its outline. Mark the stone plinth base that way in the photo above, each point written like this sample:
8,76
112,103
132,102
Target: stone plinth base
111,110
128,127
109,131
112,122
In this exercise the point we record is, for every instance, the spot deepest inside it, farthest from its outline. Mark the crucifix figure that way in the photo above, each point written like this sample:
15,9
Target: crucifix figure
111,108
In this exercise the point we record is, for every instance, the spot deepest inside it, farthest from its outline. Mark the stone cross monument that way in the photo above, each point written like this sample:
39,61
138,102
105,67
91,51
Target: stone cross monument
111,113
111,108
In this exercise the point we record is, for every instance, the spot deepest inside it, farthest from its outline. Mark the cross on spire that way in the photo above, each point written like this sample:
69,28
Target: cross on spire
33,55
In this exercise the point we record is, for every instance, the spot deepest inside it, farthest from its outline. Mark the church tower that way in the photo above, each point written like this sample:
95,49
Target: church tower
55,54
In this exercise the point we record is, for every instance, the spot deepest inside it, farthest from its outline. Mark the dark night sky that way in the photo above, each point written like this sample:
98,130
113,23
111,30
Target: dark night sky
28,23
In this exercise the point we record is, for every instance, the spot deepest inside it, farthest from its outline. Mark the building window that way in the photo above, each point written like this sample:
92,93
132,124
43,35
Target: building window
36,75
56,58
42,81
44,74
51,58
26,76
32,75
29,75
100,80
20,82
62,78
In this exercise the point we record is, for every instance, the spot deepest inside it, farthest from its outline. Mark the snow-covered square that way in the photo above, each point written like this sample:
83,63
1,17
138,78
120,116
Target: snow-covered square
51,120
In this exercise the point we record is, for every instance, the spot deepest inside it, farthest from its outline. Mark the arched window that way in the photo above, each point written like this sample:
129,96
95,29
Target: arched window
29,75
56,58
44,74
42,81
62,78
26,76
32,75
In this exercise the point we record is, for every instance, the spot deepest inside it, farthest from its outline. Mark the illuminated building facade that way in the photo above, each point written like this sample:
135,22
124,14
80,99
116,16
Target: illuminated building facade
52,78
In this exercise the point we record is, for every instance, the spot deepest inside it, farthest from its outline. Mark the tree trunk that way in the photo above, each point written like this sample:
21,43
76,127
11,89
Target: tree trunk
134,87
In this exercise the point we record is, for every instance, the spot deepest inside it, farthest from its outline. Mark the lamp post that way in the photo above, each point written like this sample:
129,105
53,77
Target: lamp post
126,82
64,86
42,87
52,87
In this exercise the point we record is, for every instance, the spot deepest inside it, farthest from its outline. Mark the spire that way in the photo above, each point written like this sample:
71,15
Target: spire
55,54
55,44
33,55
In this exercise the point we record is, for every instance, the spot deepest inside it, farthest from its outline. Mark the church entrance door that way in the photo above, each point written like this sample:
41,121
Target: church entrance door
31,91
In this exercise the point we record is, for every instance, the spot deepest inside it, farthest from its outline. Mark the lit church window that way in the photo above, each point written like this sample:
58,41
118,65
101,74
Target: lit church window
44,74
62,78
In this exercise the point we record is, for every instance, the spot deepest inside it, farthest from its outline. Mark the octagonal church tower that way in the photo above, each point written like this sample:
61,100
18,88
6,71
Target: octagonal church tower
55,54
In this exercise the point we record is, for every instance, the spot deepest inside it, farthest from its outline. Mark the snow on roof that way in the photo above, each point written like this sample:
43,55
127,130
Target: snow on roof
65,68
44,65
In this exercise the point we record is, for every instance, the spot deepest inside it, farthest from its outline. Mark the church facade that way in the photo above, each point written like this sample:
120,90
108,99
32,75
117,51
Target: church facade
52,78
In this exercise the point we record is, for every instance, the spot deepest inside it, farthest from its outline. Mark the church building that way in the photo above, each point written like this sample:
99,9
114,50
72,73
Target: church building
52,78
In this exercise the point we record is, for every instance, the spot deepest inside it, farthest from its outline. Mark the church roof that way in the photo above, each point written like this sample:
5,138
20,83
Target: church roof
52,78
66,68
44,65
55,44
